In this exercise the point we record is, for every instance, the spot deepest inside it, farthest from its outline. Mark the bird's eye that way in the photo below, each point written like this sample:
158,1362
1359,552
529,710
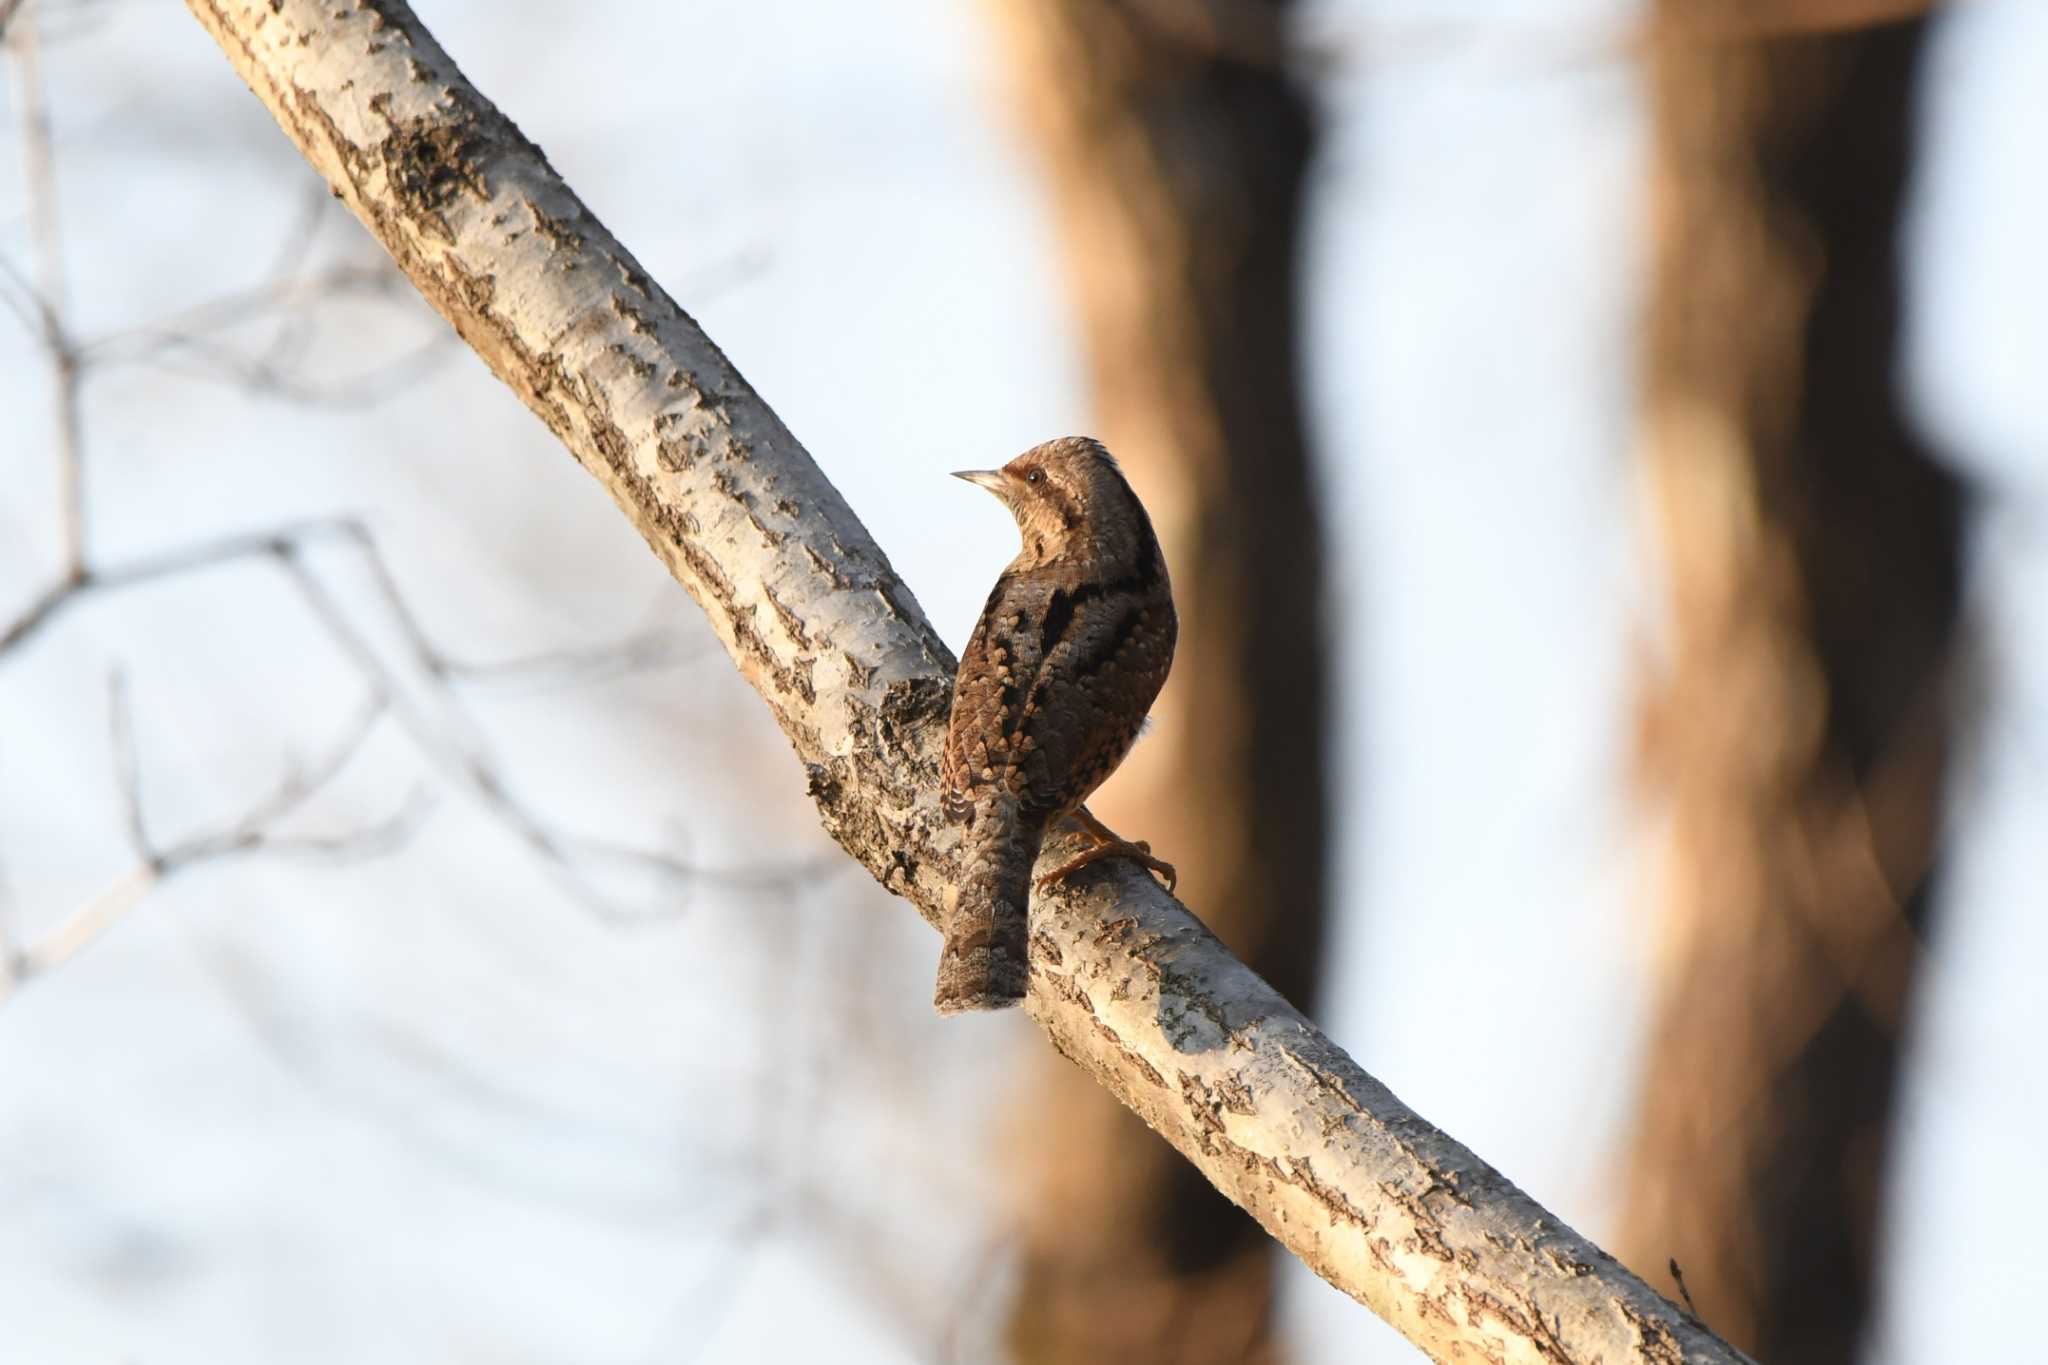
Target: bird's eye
1035,476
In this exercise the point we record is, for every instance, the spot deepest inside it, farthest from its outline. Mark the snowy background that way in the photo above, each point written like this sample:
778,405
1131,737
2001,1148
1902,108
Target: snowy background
473,1102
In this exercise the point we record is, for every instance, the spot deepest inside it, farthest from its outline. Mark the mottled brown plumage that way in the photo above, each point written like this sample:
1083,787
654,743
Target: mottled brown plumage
1066,659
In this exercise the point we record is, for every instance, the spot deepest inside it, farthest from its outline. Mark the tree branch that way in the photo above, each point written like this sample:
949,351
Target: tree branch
46,297
255,831
1124,981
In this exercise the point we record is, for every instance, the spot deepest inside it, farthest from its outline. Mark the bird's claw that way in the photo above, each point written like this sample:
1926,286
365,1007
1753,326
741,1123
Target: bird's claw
1139,852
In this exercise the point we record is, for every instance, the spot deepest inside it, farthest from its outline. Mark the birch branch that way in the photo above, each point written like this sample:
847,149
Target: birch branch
1124,981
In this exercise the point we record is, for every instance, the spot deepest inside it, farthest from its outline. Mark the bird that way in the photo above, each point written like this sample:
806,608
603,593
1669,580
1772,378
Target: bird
1067,657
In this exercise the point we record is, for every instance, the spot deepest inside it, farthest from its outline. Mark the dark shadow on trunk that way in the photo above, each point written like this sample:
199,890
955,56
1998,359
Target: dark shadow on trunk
1801,732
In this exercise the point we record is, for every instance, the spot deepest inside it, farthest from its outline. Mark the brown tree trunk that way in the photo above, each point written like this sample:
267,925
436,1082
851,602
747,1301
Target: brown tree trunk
1176,146
1800,734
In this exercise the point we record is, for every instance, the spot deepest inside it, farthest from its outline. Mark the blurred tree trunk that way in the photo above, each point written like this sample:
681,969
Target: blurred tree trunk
1176,146
1801,732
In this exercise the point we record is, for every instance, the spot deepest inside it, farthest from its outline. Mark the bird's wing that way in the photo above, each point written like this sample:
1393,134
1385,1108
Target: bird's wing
1083,711
1052,688
1001,659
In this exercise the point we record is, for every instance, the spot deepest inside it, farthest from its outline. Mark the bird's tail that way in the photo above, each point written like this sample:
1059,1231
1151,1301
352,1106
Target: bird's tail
985,961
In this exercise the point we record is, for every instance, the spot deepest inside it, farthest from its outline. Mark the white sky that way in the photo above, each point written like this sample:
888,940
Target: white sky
428,1108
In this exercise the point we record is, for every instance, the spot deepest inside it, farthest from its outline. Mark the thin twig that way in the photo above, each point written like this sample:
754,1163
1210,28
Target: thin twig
374,840
649,649
438,726
451,739
448,736
40,185
164,564
253,831
280,296
1678,1278
24,300
127,769
286,797
82,926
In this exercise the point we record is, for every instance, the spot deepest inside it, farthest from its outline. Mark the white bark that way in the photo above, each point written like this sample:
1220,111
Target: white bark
1124,980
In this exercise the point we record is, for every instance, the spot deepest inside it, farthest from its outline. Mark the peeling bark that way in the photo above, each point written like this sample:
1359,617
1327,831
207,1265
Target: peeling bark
1124,981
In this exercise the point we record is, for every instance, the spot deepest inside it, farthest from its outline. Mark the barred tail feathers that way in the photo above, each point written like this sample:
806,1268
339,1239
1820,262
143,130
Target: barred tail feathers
985,962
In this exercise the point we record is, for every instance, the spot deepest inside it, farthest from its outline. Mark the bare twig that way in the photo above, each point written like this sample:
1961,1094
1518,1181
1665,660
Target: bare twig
20,297
199,359
188,343
1678,1278
450,738
445,734
253,832
645,650
283,298
59,945
443,731
127,768
47,296
66,592
439,727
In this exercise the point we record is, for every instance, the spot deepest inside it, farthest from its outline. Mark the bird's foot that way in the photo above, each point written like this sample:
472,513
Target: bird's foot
1109,845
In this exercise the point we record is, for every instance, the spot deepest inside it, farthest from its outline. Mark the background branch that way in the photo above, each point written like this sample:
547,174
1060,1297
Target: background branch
420,692
255,831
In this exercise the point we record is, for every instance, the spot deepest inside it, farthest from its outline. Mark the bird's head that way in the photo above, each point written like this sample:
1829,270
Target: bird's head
1066,495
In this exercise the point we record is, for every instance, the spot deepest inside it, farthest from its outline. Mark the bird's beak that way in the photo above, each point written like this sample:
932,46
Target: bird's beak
991,479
